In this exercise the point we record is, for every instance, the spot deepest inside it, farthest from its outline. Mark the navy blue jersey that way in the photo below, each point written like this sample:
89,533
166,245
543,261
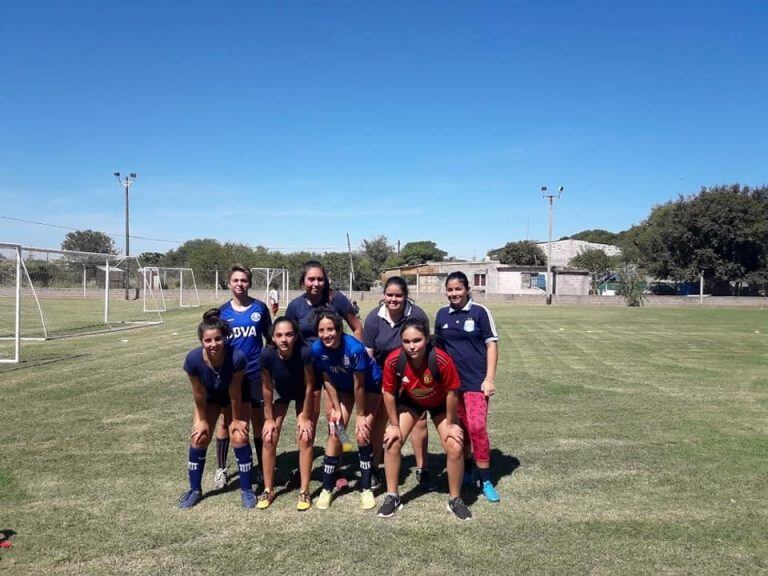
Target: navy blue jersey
248,331
216,382
287,375
341,364
382,335
465,334
304,313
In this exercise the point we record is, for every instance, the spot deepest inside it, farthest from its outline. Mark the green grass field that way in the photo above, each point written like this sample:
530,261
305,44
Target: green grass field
626,441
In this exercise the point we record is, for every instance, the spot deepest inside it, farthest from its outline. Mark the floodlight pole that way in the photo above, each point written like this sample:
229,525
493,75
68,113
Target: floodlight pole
551,200
126,183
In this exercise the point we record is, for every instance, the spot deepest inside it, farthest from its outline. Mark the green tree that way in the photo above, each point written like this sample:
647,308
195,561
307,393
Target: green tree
722,231
598,236
88,241
632,284
597,262
151,258
523,253
377,250
420,252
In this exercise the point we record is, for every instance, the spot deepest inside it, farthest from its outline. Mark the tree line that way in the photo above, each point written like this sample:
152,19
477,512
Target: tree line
720,232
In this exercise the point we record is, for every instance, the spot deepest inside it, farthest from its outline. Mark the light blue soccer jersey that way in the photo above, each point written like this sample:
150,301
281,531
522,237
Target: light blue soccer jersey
341,364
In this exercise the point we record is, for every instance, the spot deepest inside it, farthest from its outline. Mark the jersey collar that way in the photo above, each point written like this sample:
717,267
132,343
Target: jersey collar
467,306
384,313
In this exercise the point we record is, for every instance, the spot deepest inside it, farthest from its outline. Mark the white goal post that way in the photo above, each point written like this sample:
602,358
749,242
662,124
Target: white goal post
267,279
166,287
47,293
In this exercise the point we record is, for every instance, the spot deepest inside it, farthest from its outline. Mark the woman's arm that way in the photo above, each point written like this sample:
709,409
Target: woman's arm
492,357
200,422
451,419
355,325
362,430
267,389
333,396
239,423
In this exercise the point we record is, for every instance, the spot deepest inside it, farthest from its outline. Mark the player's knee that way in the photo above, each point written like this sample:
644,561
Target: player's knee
200,440
454,449
395,447
238,438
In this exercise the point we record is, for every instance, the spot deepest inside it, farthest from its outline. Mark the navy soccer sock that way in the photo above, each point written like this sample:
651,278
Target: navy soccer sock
329,472
195,465
222,447
244,466
469,466
366,458
483,473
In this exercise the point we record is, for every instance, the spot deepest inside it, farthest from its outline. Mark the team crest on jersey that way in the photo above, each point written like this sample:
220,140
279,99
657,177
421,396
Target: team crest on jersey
346,361
427,379
256,316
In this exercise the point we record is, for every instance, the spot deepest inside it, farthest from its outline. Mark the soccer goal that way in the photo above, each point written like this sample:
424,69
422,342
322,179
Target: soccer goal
169,288
47,293
266,280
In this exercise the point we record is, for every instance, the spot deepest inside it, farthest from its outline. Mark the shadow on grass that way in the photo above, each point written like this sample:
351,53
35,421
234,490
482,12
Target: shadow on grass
5,539
26,364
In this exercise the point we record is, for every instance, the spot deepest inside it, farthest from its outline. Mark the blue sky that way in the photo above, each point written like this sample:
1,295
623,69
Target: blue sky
288,124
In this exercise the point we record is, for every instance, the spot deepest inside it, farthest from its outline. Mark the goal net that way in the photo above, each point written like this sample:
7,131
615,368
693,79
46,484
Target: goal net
270,280
168,288
48,293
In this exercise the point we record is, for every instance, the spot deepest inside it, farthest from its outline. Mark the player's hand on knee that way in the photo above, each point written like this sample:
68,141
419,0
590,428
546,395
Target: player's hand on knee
304,428
455,432
238,431
392,437
269,431
362,431
201,433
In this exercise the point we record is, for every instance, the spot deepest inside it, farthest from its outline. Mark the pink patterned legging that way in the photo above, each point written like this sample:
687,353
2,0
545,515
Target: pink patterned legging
473,413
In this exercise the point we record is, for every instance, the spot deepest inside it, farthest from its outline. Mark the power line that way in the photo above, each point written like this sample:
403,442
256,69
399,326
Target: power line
118,235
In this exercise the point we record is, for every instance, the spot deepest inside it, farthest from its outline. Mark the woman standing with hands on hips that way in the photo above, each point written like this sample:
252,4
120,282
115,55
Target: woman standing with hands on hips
381,335
216,371
468,333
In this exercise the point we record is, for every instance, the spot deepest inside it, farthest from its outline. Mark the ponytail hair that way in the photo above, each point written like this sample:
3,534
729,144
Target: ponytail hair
212,321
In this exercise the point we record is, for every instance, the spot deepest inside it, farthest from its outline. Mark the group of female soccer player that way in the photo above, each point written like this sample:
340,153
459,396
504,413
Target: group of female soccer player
391,373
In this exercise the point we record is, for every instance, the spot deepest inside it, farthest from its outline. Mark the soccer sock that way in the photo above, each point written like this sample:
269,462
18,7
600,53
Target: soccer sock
222,447
469,466
195,466
244,465
329,472
258,444
484,473
366,458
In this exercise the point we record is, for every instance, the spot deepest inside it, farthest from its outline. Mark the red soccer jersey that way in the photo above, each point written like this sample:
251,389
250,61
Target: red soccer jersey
419,384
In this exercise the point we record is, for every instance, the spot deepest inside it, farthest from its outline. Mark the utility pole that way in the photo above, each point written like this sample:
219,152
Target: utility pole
126,183
551,200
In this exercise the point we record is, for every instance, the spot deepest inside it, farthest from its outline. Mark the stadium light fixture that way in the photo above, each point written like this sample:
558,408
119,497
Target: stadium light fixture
550,200
126,183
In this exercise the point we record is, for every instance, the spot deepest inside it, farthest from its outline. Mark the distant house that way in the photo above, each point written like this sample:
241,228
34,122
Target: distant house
492,277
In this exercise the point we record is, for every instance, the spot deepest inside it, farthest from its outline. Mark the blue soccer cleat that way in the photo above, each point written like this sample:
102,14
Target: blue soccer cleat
490,492
248,498
190,498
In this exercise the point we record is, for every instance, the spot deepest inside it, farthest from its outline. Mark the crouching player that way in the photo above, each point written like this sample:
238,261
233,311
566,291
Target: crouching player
287,375
216,371
419,378
352,379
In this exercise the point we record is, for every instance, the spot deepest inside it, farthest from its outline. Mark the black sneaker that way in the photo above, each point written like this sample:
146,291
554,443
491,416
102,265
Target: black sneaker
391,505
424,480
459,509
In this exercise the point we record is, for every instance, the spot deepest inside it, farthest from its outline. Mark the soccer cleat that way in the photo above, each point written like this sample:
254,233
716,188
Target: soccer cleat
305,502
424,480
248,498
490,492
190,498
367,501
324,500
265,499
459,509
391,505
220,479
